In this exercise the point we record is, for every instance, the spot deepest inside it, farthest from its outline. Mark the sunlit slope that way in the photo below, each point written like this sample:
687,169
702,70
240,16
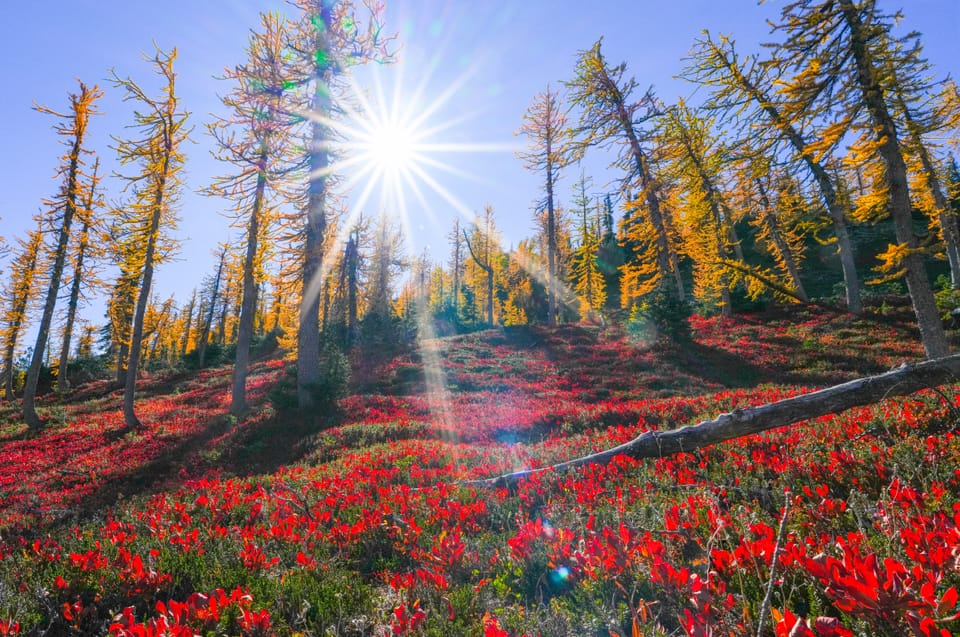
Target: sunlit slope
360,523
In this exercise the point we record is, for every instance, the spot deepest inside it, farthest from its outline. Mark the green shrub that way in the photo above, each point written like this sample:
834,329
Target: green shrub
661,314
331,386
86,369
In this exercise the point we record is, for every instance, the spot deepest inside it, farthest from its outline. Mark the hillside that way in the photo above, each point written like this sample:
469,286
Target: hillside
357,522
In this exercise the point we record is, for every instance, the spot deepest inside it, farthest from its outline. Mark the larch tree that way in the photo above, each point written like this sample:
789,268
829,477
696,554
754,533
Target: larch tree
23,283
693,159
849,64
186,320
921,121
385,263
83,274
155,190
255,138
482,246
518,277
327,40
587,279
63,209
456,264
775,213
210,300
744,89
545,127
127,255
608,116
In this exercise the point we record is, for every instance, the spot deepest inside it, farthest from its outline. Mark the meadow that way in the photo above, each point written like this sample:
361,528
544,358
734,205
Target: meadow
364,520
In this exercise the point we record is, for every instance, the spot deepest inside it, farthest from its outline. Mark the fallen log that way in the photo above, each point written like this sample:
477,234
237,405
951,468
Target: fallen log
901,381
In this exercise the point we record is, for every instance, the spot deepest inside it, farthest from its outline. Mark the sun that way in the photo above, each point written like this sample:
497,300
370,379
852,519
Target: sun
396,148
391,146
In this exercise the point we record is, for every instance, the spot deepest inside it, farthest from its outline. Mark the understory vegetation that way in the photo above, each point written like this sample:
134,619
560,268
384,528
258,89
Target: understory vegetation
359,519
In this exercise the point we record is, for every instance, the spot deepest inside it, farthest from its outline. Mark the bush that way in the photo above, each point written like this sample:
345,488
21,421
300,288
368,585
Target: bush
265,344
330,387
661,314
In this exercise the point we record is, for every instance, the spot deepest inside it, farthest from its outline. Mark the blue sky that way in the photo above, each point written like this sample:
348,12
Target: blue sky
509,51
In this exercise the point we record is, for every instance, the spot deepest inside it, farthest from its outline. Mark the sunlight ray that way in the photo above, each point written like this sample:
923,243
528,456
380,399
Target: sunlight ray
340,165
445,194
534,271
418,193
453,170
469,147
440,100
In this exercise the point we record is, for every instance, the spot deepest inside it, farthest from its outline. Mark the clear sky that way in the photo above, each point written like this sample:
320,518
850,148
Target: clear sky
496,55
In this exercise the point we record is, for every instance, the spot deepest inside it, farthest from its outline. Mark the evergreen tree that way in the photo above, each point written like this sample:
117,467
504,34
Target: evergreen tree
456,265
610,256
24,283
155,190
586,275
327,40
385,264
63,209
607,116
850,65
544,126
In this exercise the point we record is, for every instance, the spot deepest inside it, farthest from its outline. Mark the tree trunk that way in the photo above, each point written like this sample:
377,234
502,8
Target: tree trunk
824,183
33,373
353,264
928,319
133,361
122,351
63,383
770,220
248,306
552,269
8,371
456,270
188,324
204,336
948,223
901,381
308,331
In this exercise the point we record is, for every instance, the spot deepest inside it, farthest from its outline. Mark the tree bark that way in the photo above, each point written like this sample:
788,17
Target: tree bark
248,306
208,321
62,382
770,220
308,329
924,306
824,183
69,210
133,361
904,380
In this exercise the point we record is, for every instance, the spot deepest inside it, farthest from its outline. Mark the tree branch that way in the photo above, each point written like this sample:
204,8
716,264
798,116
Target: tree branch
904,380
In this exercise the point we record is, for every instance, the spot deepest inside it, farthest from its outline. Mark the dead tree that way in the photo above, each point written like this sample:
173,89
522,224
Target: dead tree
904,380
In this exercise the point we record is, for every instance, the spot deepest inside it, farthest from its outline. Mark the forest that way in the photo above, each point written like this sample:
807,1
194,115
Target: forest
592,430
